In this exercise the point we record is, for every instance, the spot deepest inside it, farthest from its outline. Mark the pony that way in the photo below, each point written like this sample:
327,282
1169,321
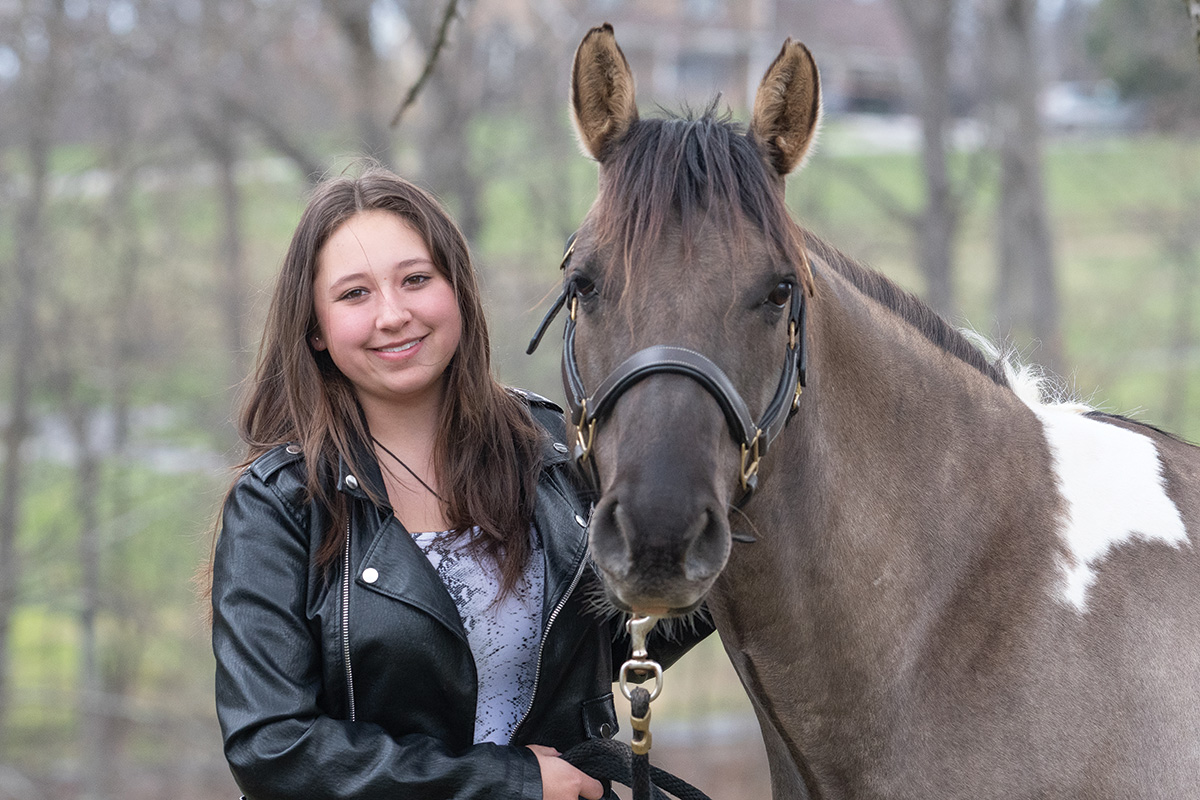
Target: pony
932,582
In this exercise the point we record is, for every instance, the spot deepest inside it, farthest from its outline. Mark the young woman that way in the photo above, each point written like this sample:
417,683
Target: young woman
400,582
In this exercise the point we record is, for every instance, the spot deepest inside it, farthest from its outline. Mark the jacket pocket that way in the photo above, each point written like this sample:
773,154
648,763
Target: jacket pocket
600,717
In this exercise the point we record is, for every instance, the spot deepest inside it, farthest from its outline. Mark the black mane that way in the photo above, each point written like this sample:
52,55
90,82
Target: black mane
908,307
704,170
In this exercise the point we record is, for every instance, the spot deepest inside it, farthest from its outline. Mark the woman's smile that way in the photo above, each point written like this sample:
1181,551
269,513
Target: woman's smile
398,349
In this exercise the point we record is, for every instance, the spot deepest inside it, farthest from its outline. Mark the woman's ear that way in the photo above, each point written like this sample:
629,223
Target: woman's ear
317,342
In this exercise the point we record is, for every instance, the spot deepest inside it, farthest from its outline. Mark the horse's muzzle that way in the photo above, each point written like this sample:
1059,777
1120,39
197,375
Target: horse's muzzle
658,554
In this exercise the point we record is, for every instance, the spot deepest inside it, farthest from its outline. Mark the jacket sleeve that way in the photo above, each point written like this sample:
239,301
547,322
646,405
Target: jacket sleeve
279,743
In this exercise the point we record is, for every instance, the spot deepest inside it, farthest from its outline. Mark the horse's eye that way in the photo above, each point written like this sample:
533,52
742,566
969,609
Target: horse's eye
780,295
584,286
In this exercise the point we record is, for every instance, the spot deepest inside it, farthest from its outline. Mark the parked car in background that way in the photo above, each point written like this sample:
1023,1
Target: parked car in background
1088,107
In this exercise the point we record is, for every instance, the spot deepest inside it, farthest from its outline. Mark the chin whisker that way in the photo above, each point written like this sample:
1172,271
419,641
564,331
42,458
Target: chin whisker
677,627
597,601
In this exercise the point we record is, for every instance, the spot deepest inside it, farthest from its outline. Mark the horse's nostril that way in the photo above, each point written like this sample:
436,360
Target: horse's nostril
609,540
709,547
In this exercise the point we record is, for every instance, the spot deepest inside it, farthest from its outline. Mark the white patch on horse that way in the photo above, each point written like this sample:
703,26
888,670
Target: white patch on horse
1111,482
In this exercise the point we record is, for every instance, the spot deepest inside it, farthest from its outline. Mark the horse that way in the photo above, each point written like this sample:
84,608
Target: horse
931,581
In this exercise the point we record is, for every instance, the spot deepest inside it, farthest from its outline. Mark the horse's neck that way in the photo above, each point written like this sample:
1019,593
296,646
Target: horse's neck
890,487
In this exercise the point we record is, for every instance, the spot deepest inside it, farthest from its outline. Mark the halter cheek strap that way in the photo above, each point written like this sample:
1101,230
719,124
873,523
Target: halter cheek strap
755,438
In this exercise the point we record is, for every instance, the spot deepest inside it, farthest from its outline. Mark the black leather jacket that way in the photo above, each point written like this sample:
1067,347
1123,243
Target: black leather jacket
328,688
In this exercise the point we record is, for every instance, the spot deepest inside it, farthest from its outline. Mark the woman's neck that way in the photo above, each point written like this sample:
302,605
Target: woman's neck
407,426
405,435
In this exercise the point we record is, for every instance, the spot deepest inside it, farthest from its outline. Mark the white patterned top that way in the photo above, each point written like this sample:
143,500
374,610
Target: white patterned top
504,636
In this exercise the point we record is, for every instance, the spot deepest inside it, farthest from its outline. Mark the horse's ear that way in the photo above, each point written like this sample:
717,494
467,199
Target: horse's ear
787,107
602,97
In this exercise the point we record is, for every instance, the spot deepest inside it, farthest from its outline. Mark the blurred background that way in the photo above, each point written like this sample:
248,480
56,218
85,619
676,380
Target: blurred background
1031,168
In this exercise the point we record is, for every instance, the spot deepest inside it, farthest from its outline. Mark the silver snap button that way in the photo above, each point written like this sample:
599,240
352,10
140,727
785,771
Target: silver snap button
582,522
294,449
351,482
606,731
560,447
370,575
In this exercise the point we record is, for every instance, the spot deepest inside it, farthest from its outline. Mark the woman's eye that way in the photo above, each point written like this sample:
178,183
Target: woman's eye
780,295
416,280
353,294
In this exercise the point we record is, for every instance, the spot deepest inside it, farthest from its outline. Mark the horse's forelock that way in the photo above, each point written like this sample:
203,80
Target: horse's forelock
692,171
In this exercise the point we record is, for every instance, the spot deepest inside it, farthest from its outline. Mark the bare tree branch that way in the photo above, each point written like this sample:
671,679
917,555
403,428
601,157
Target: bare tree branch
434,52
978,171
275,135
873,189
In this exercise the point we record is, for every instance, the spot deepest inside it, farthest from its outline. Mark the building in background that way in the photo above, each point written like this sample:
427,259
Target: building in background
681,49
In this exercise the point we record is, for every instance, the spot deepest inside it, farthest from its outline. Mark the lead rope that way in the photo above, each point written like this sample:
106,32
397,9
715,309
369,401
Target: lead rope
639,702
609,760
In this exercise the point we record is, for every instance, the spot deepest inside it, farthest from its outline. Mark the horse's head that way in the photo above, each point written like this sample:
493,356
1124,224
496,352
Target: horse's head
685,288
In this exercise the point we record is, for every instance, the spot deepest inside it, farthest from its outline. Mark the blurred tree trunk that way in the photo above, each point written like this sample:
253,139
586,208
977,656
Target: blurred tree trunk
1027,303
1193,9
29,244
353,18
1183,251
1184,254
120,236
930,24
91,692
447,151
232,255
450,102
218,135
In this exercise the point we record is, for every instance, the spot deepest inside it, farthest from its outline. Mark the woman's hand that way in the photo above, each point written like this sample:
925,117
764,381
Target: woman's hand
562,781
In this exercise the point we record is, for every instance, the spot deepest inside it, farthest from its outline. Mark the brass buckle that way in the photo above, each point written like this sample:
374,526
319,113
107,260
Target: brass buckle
792,338
750,456
641,740
584,443
567,255
796,396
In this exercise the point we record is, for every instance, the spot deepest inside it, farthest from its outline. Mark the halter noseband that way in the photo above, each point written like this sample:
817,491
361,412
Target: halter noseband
753,437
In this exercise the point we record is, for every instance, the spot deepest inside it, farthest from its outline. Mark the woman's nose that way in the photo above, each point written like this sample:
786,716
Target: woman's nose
393,311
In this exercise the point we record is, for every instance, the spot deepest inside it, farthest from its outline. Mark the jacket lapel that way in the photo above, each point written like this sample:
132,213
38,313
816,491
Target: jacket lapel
402,572
563,528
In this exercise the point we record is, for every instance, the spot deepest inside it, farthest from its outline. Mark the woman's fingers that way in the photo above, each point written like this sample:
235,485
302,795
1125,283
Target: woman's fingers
562,781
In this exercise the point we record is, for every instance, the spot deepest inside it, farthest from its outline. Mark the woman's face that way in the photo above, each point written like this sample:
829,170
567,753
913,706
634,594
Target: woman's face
386,316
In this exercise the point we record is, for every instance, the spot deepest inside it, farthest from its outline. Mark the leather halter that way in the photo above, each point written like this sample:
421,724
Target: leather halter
754,437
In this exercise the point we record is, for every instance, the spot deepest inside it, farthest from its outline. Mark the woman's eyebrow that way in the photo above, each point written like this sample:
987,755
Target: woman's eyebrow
351,278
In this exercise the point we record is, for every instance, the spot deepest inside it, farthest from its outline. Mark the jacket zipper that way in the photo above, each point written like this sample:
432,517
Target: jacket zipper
346,625
537,674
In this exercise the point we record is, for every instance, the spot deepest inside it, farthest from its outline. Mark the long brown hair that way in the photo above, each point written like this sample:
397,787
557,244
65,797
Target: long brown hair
487,454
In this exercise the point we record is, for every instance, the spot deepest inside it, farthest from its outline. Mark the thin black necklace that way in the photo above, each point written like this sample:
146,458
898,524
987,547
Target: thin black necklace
408,469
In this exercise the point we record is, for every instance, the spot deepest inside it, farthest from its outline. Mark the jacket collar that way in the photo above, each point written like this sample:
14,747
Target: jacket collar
560,517
369,476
